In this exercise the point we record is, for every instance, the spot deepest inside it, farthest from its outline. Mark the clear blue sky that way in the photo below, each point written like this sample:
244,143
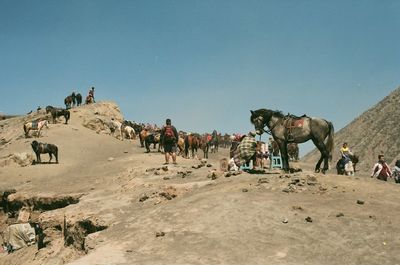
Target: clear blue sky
203,63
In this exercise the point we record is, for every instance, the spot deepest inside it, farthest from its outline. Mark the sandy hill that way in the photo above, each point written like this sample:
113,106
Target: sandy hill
108,202
374,132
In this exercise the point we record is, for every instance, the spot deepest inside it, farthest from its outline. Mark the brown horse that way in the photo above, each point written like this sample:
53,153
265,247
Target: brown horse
285,129
68,101
192,143
205,145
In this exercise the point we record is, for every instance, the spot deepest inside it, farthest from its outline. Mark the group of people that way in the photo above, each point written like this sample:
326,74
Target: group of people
380,170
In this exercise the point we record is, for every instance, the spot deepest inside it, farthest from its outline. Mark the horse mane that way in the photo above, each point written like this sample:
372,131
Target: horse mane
266,113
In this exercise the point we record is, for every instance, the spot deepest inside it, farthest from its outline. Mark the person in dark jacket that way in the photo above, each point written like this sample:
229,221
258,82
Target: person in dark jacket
169,136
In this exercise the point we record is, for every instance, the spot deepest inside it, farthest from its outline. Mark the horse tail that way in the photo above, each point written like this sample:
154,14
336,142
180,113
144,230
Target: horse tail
331,142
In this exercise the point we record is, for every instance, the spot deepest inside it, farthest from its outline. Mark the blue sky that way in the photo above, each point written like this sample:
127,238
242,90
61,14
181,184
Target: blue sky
204,64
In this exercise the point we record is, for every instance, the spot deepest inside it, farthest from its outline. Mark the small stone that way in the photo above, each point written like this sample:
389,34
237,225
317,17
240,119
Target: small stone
165,178
360,202
165,168
285,221
287,190
126,152
297,208
245,190
309,219
143,198
150,169
228,175
263,180
129,250
110,159
158,234
209,165
340,215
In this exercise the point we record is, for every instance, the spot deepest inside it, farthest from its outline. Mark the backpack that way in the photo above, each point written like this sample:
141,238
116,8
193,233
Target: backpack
169,134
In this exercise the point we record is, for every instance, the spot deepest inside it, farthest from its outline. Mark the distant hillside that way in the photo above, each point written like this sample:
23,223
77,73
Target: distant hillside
374,132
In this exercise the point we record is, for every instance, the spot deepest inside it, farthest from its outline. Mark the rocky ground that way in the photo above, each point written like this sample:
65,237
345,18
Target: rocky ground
108,202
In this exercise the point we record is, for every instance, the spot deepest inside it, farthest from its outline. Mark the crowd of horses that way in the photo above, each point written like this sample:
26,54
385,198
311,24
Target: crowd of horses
286,131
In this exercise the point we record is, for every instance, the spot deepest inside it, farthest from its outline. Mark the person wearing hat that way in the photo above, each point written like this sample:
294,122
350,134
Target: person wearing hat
169,136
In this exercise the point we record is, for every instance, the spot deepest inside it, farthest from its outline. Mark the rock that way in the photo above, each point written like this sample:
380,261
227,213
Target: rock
165,168
228,175
110,159
159,234
311,180
360,202
126,152
165,178
297,208
209,165
143,198
285,221
212,175
309,219
167,196
263,180
150,169
340,215
245,190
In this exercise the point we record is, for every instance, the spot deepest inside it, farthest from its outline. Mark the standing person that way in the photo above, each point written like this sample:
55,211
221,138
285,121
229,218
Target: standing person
91,93
381,170
169,138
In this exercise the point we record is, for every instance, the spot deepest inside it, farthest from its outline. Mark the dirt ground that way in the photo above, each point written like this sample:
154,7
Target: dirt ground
128,208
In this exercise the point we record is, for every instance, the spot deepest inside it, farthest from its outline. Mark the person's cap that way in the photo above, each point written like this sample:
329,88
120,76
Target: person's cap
168,121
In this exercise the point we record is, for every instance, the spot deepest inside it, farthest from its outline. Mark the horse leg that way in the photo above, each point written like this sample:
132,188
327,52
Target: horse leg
50,157
324,156
284,155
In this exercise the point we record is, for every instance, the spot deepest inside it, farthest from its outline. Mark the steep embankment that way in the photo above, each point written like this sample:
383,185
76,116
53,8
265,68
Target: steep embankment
374,132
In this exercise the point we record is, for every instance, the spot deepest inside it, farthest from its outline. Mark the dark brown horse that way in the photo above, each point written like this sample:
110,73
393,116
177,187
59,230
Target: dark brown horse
57,112
78,99
285,129
43,148
70,101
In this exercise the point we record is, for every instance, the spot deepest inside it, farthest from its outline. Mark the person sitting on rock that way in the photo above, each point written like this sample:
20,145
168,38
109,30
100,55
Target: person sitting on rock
381,170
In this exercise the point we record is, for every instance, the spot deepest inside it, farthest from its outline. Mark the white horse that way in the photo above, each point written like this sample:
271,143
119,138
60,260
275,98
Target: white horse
129,132
35,125
349,169
115,127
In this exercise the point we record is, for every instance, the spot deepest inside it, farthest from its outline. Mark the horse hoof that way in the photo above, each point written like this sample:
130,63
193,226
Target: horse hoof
317,171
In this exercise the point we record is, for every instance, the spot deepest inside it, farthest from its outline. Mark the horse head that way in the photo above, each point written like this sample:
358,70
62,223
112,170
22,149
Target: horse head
259,119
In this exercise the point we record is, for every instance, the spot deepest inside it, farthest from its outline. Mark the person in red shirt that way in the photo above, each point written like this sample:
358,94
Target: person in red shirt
381,170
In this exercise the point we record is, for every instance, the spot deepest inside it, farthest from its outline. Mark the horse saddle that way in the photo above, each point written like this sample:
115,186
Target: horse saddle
35,124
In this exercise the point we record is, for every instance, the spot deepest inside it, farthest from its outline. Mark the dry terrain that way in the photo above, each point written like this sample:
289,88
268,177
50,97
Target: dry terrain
108,202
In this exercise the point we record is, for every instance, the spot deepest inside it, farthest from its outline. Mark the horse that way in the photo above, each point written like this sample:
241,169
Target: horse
57,112
43,148
115,126
68,101
181,145
214,142
290,128
153,138
293,151
350,166
205,145
129,132
35,125
78,99
192,142
142,136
